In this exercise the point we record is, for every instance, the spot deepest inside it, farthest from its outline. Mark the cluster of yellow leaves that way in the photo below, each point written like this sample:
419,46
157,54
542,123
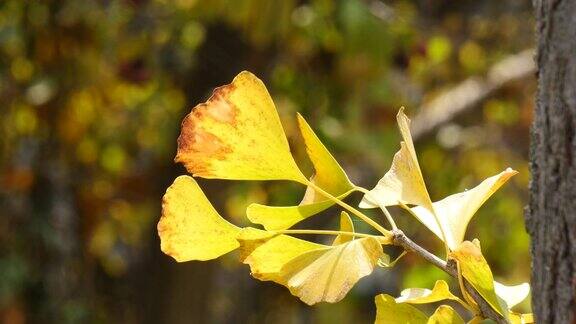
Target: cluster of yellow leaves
237,135
404,185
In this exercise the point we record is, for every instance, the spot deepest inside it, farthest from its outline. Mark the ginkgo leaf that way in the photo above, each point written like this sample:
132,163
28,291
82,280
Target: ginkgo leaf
390,312
327,274
517,318
266,252
457,210
282,217
346,225
445,314
328,175
190,228
237,135
512,295
404,182
424,296
476,271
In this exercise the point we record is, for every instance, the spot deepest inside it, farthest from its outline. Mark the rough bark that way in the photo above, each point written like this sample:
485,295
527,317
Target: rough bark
551,216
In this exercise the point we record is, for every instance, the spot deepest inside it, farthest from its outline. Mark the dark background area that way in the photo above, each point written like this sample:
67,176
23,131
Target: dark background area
91,98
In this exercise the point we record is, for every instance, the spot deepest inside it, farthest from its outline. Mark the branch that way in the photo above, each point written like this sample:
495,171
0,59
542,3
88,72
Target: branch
400,239
466,95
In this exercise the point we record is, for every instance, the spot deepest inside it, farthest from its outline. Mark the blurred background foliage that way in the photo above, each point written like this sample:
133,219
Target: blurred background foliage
92,94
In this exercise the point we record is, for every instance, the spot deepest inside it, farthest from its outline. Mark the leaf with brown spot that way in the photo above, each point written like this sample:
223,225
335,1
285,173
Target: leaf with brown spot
237,135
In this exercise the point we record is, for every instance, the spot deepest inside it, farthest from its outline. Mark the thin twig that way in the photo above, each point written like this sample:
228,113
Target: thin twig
486,310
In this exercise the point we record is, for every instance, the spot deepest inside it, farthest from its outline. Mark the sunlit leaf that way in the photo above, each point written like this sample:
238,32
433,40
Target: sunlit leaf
445,315
328,175
457,210
237,134
190,228
477,272
423,295
283,217
403,183
512,295
327,274
266,253
346,225
390,312
517,318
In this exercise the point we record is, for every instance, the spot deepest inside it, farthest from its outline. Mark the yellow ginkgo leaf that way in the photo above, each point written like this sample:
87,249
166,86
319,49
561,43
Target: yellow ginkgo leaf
190,228
328,175
237,135
457,210
512,295
390,312
517,318
346,225
424,296
476,271
327,274
282,217
403,183
445,314
266,253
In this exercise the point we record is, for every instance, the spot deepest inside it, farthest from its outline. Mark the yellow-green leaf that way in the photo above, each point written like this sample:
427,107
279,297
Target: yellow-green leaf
424,296
328,175
403,183
283,217
512,295
477,272
346,225
266,253
390,312
445,314
327,274
237,135
517,318
457,210
190,228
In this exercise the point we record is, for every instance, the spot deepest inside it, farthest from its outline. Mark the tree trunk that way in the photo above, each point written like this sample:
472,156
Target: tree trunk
551,217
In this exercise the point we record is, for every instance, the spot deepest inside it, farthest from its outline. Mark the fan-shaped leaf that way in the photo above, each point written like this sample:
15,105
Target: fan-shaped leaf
328,175
266,252
190,228
237,134
477,272
445,315
346,225
512,295
390,312
403,182
424,296
457,210
328,274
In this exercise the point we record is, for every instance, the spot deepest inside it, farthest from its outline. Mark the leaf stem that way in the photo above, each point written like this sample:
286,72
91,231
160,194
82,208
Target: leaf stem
323,232
383,208
351,209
